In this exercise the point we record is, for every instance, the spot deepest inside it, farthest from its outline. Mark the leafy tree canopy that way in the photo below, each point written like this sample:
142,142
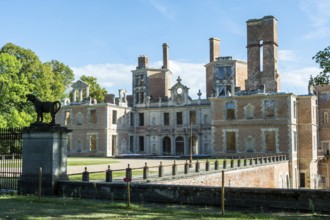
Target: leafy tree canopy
95,90
21,73
323,59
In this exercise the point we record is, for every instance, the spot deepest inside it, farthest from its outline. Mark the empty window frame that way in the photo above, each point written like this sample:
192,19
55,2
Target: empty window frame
231,141
269,109
141,119
270,137
179,118
131,121
92,116
230,110
224,72
114,117
325,117
141,143
192,116
166,118
92,142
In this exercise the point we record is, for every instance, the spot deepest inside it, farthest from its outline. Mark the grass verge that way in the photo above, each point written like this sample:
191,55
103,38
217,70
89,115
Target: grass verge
31,207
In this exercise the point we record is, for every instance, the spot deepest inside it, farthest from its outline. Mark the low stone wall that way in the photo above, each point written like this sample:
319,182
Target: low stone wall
251,198
266,176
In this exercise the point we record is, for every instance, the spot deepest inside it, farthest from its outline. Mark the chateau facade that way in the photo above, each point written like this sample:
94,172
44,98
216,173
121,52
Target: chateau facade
244,113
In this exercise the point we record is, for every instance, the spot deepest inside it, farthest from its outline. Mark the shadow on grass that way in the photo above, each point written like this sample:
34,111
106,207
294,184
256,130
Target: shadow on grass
30,207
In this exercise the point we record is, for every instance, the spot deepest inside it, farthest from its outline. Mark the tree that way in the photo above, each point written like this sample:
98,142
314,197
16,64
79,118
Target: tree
95,90
63,75
21,73
323,59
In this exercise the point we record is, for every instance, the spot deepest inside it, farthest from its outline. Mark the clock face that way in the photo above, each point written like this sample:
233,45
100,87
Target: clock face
179,90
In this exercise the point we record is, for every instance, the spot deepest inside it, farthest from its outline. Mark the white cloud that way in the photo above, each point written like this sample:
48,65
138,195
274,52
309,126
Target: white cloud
318,13
119,76
110,76
163,9
296,80
287,55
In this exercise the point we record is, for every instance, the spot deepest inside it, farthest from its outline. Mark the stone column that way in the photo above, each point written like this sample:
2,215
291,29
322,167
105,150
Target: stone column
80,95
45,147
74,95
87,91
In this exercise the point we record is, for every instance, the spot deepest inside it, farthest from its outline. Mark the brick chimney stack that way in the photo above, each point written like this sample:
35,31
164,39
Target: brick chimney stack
214,48
165,56
142,61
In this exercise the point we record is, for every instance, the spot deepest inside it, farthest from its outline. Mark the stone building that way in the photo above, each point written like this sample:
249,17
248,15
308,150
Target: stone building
245,113
97,128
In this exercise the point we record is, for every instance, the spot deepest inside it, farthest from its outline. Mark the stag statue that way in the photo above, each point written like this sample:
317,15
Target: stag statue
44,107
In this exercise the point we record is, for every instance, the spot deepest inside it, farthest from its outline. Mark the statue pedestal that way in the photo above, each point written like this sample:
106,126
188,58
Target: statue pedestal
43,147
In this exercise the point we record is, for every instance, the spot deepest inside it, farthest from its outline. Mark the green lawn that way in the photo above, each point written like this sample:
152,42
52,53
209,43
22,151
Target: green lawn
30,207
85,161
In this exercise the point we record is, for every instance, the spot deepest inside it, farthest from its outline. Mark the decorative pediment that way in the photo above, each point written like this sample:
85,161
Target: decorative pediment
80,85
179,93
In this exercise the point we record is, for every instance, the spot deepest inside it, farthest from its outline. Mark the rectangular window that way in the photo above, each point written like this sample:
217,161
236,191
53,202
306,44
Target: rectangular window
224,72
166,118
131,121
131,144
270,141
179,118
325,117
326,148
114,144
302,180
231,141
141,119
92,116
92,142
114,117
67,118
230,110
269,108
141,143
192,117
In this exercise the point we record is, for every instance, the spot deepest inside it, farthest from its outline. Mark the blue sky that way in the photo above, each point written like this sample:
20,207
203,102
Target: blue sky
103,38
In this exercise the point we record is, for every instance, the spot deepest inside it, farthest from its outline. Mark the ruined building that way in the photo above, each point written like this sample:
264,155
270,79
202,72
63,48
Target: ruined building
244,113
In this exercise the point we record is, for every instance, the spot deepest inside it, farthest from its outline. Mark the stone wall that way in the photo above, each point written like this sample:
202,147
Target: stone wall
267,176
251,198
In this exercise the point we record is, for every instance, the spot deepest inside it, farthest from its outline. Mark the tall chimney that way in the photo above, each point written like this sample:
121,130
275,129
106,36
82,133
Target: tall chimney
214,48
165,56
142,61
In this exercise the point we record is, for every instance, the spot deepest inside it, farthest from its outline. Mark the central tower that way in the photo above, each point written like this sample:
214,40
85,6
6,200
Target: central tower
262,47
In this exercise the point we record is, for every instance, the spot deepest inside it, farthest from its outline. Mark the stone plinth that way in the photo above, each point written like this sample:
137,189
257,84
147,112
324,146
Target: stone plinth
45,147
